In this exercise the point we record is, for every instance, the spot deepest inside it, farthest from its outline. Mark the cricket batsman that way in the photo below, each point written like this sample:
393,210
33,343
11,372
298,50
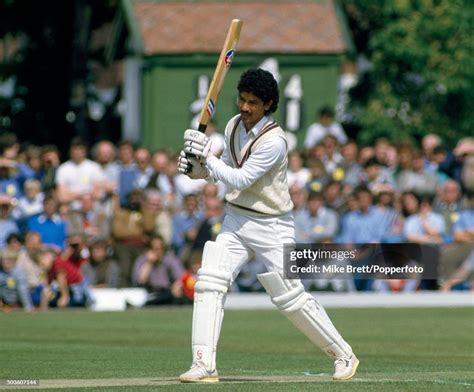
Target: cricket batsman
258,222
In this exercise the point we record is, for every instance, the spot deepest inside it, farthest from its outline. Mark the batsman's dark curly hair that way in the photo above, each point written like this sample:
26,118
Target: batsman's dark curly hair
262,84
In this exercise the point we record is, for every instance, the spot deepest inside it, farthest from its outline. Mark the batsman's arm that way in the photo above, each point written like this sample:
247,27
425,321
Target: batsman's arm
260,162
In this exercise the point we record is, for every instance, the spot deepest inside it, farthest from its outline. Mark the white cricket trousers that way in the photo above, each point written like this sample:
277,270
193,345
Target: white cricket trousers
247,236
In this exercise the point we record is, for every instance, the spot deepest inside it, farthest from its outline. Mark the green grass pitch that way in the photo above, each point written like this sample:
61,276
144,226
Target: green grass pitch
145,350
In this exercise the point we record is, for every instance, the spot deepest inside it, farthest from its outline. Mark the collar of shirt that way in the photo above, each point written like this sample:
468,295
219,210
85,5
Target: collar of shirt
148,171
451,206
256,128
319,214
370,211
79,165
43,218
245,136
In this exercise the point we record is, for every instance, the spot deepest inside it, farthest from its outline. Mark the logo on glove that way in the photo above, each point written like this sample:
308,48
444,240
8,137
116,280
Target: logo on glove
194,135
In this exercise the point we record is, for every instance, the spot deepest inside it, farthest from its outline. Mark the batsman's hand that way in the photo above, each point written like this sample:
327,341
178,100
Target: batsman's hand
200,152
191,166
193,136
197,144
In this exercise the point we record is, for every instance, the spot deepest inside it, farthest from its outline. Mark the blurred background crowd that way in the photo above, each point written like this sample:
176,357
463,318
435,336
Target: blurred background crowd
119,215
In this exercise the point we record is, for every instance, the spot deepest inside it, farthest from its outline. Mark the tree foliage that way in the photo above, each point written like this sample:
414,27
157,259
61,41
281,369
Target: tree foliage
422,69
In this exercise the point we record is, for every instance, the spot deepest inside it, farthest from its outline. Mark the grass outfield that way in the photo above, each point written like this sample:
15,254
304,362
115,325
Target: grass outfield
400,350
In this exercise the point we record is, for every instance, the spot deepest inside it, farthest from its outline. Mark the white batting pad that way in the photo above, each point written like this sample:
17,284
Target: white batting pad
305,312
213,282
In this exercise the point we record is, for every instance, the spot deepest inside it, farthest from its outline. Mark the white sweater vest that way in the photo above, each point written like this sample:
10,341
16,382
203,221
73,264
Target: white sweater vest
269,194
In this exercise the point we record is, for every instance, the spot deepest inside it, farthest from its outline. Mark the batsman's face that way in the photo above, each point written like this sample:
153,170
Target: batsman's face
252,109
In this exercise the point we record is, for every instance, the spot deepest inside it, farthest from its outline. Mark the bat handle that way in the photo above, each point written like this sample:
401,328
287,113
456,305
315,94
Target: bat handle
201,128
189,168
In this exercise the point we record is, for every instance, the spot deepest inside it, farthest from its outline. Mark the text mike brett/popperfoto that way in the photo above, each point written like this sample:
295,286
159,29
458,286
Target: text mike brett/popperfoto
350,269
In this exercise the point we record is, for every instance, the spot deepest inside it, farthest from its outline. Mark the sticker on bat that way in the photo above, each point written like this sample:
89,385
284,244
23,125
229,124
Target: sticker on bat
210,107
229,57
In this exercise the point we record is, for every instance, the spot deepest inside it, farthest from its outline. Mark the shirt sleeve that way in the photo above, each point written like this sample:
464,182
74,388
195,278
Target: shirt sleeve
337,130
22,288
439,224
60,177
462,223
98,174
175,267
225,156
260,162
343,236
330,225
137,267
313,134
468,264
411,227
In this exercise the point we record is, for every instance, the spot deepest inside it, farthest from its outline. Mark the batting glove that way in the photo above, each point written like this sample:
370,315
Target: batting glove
191,166
197,144
193,137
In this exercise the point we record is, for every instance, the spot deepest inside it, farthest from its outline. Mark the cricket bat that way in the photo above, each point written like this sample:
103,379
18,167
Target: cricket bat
223,65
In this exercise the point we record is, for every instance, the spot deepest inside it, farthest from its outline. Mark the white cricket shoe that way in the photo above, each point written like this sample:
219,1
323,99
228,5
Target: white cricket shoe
199,374
345,367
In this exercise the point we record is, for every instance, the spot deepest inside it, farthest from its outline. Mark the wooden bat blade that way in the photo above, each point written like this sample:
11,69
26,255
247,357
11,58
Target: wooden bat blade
223,65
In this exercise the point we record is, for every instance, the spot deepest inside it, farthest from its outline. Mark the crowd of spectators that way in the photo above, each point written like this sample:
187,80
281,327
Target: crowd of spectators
121,215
